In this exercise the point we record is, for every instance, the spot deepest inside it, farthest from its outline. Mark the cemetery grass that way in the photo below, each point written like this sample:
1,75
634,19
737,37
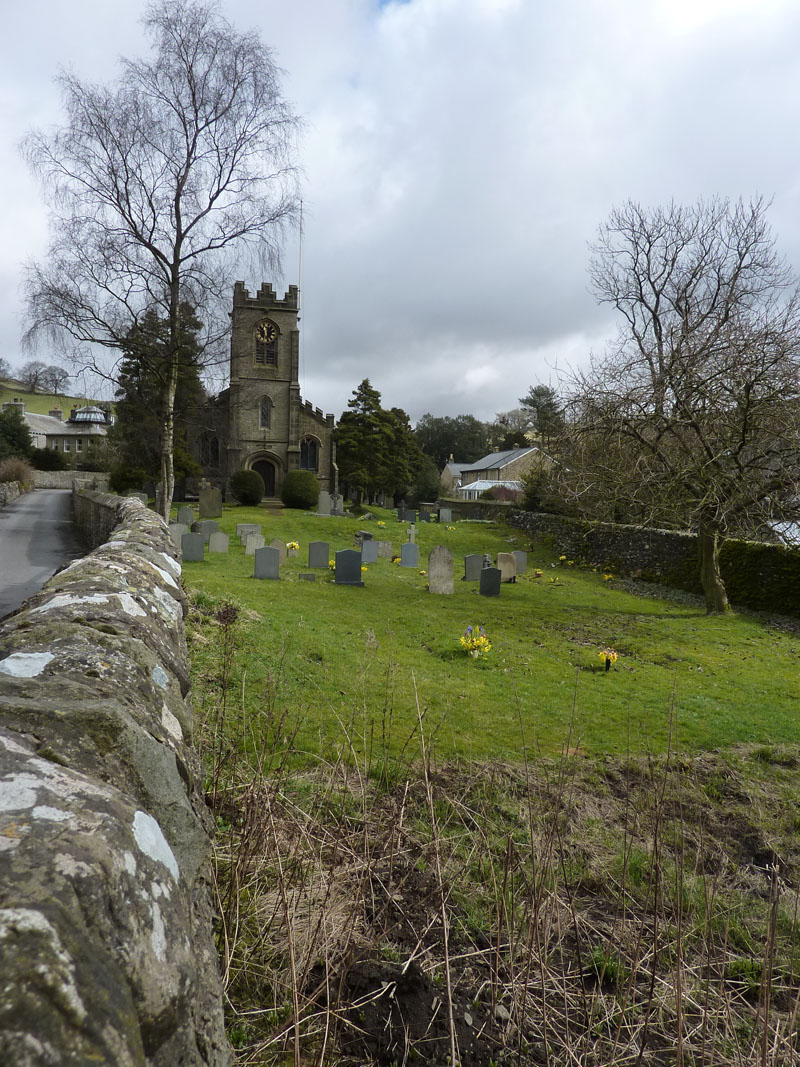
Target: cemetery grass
403,876
369,659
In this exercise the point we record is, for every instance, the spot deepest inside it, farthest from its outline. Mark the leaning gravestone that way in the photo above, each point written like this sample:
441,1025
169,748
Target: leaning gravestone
218,543
440,570
252,542
348,567
244,529
409,555
206,528
177,530
192,546
210,503
267,563
186,516
281,547
522,560
507,565
384,549
490,582
369,551
318,554
473,565
445,515
324,503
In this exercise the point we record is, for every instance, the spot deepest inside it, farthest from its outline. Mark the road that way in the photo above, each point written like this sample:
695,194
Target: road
37,537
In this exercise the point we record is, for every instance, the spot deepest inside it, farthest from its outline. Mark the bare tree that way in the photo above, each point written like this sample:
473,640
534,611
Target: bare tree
158,182
32,375
693,417
55,379
5,368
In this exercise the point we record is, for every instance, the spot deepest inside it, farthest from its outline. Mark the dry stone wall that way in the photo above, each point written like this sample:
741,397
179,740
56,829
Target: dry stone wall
70,479
106,947
9,491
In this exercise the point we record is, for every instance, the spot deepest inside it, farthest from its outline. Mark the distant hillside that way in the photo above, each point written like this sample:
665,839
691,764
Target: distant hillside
39,403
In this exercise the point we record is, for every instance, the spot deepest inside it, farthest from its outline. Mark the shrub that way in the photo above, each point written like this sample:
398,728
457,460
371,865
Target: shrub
48,459
124,477
247,487
300,489
16,470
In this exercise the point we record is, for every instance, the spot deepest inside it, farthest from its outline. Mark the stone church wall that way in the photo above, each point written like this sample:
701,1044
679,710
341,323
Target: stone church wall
106,946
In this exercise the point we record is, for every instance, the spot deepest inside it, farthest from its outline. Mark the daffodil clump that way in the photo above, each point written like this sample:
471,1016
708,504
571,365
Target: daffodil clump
475,642
607,577
293,545
380,522
609,656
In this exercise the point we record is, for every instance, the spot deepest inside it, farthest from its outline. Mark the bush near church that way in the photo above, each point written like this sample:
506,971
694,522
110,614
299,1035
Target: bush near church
48,459
300,490
247,487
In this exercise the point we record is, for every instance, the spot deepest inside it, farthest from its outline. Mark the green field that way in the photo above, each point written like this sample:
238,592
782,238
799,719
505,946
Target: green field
355,667
39,403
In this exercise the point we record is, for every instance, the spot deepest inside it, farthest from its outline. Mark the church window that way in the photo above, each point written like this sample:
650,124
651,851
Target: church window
309,454
265,413
266,344
209,450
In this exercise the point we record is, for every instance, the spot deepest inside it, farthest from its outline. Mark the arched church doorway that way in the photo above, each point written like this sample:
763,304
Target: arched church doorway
267,472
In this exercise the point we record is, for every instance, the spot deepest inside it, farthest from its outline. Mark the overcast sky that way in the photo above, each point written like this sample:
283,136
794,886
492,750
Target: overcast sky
459,155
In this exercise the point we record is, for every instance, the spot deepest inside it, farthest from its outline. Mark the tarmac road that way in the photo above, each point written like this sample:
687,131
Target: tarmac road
37,538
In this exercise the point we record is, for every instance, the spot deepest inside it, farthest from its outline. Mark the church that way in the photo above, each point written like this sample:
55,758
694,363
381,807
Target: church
260,422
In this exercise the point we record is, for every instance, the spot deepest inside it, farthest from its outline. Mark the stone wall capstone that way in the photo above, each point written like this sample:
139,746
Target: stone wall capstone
70,479
106,946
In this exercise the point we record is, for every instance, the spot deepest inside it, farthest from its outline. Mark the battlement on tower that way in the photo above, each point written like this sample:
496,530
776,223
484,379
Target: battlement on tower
265,297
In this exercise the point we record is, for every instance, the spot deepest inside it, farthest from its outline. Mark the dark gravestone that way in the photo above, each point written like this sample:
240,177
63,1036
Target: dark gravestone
424,516
409,555
218,543
303,577
440,571
192,546
318,554
445,515
206,528
522,561
361,536
210,503
490,582
267,563
186,516
411,516
369,551
473,565
348,567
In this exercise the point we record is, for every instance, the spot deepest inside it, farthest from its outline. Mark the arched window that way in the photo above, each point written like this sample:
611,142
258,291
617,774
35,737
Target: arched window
266,344
209,450
309,454
265,413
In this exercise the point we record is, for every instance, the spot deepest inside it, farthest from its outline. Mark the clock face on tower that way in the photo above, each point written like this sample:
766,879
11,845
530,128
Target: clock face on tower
266,332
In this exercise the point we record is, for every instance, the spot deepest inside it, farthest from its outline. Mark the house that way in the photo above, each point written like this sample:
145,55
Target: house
507,469
85,427
451,476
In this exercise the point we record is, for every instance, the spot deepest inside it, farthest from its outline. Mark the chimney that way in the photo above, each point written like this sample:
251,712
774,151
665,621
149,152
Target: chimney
15,403
72,414
56,413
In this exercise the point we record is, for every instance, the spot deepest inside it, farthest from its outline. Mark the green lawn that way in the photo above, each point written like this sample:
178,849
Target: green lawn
352,665
39,403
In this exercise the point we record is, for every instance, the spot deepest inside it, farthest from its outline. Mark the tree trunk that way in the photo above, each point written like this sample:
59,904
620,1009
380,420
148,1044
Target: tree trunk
710,576
167,488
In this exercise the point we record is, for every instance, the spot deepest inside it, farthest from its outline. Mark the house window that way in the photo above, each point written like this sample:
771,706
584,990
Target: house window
66,444
79,444
54,444
309,454
266,344
265,413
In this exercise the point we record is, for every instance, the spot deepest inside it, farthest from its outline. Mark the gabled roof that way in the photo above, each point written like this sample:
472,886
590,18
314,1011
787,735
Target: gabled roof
497,460
49,424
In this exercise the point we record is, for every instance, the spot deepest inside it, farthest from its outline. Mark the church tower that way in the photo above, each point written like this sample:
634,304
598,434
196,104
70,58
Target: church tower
270,428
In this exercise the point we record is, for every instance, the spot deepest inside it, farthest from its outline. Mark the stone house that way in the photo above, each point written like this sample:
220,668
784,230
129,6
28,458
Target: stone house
261,422
451,476
507,469
78,434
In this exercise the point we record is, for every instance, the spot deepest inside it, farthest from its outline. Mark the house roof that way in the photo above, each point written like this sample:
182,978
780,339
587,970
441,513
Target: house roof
485,483
497,460
49,424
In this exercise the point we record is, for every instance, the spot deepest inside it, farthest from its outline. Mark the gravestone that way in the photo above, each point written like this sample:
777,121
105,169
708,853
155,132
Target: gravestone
409,555
192,546
324,503
337,504
318,554
292,553
445,515
243,529
218,543
280,546
303,577
177,530
522,560
206,528
369,551
384,549
348,567
210,503
412,535
490,582
186,516
473,565
267,563
362,535
411,516
507,565
424,516
440,570
252,542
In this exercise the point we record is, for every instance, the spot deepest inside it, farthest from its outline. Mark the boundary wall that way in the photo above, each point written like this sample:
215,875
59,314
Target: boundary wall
9,491
106,945
758,575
